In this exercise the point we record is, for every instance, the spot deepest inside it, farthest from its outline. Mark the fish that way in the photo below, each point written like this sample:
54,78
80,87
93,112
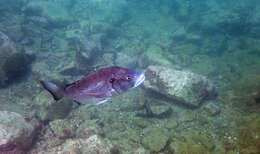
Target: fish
97,87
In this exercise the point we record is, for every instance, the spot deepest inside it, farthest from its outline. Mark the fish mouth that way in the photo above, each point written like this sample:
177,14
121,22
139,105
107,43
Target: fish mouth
139,80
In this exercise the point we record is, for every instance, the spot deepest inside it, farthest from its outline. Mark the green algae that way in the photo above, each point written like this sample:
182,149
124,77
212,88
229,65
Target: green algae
155,139
247,90
192,144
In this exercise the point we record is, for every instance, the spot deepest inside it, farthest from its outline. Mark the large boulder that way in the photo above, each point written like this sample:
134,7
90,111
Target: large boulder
16,134
184,86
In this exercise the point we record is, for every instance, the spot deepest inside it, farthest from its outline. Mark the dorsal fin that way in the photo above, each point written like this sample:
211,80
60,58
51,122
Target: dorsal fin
72,84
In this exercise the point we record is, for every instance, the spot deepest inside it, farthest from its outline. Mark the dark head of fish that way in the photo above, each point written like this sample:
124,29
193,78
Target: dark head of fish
123,79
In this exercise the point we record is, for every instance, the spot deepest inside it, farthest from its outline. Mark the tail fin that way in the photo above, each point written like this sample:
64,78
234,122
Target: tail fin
56,91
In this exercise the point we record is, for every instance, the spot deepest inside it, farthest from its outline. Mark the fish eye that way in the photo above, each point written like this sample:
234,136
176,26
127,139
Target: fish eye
112,80
128,78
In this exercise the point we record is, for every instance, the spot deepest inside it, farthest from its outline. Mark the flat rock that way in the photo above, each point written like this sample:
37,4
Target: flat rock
212,109
154,139
91,145
16,134
161,111
186,87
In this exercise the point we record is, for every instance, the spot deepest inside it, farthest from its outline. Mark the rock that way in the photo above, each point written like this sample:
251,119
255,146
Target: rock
155,111
41,103
57,14
63,129
16,134
186,87
141,150
46,109
87,129
60,109
154,139
212,109
140,122
187,117
92,43
153,55
171,124
91,145
192,143
161,111
125,60
88,49
95,145
132,135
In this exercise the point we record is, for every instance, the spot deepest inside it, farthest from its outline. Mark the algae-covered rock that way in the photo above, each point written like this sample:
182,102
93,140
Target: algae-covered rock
154,139
87,129
91,145
63,128
60,109
171,124
16,134
141,122
192,143
186,87
56,13
47,109
95,145
155,111
212,109
125,60
154,55
132,135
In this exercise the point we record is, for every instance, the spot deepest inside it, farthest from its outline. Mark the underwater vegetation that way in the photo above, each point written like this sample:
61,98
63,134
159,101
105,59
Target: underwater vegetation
248,135
248,91
14,63
12,68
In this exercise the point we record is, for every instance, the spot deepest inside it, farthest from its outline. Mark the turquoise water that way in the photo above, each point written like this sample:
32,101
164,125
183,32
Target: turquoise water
65,39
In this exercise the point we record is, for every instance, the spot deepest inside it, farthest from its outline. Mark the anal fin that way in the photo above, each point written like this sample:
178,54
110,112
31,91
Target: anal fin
101,101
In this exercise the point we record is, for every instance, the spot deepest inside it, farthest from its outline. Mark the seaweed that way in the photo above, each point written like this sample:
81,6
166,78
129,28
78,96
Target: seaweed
13,68
248,137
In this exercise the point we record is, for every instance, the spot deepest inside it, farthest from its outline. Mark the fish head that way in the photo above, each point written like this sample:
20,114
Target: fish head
124,79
